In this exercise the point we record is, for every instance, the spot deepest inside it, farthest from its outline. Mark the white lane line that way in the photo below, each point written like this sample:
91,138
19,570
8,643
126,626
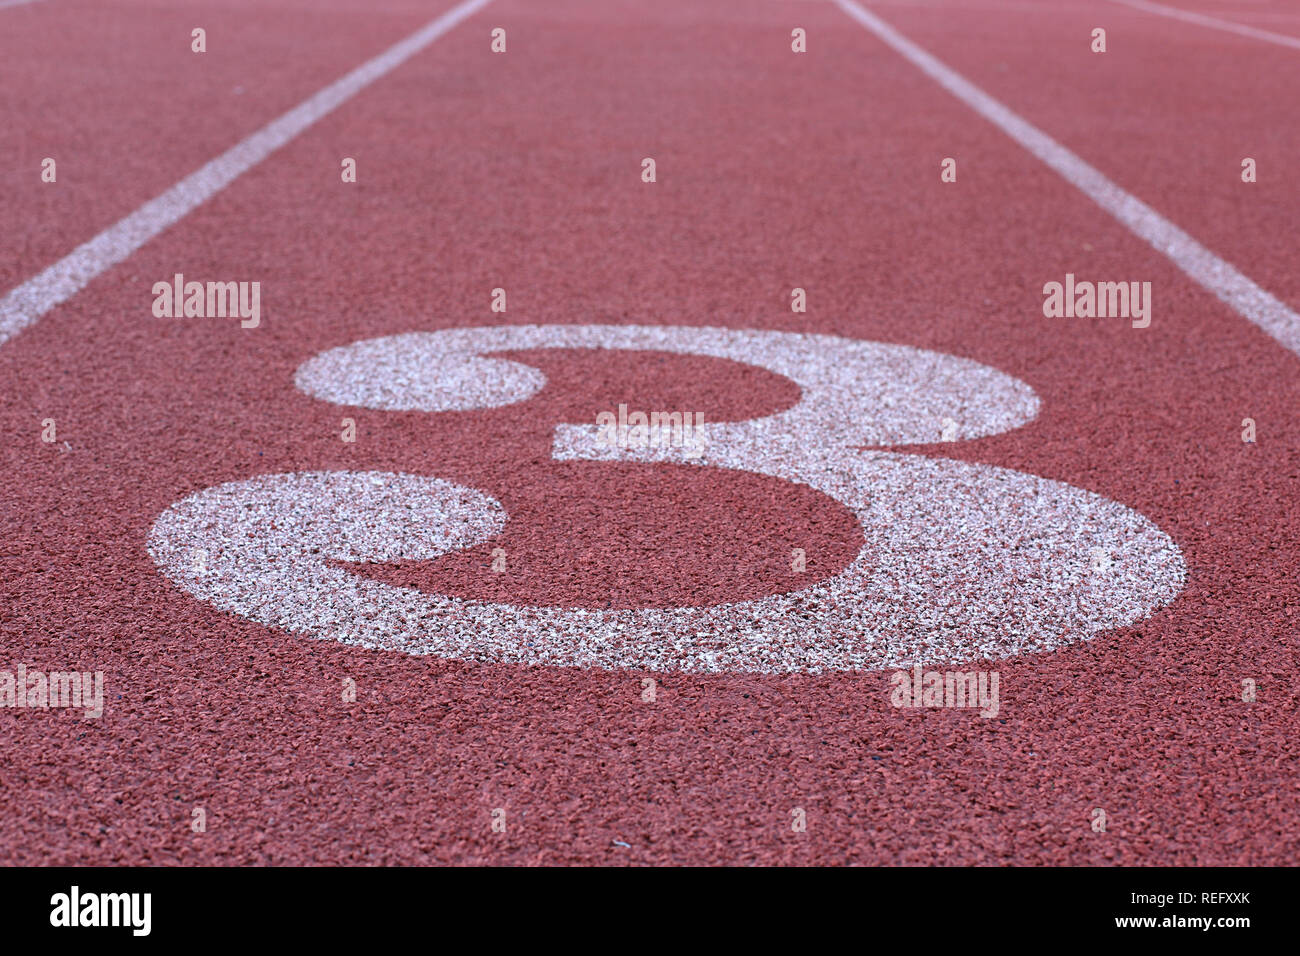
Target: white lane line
1200,264
35,297
1227,26
14,3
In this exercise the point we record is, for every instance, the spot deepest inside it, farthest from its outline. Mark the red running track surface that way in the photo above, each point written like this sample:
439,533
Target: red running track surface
775,170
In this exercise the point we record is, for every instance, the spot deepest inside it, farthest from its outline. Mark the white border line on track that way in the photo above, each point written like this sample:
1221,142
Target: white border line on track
1281,39
26,303
14,3
1199,264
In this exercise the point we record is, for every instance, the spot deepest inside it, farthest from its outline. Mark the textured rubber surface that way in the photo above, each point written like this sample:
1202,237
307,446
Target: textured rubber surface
522,171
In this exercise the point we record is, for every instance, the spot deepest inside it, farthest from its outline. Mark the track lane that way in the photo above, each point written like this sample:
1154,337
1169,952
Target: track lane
114,94
774,172
1168,112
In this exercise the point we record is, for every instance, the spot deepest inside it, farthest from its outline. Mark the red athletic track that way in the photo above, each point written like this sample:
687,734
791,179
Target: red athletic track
522,171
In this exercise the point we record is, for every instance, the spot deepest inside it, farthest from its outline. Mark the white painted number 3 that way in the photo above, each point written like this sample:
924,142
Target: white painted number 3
957,560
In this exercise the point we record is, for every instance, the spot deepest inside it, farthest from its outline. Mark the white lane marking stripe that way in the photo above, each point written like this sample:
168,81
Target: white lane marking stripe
1200,264
58,283
14,3
1215,23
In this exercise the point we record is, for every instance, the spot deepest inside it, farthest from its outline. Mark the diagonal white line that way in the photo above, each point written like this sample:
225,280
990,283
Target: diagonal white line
35,297
1200,264
1281,39
14,3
